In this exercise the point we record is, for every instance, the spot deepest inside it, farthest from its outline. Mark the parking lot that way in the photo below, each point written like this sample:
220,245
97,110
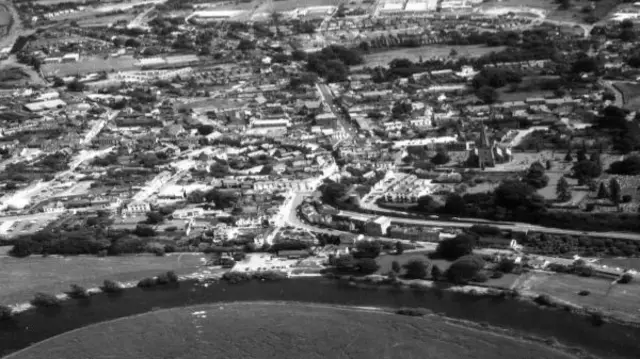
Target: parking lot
15,228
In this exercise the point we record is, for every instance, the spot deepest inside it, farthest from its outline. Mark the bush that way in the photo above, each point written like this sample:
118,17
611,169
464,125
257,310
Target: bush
413,312
506,265
110,286
597,319
171,229
44,300
146,283
417,269
236,277
78,292
269,275
497,275
454,248
166,278
173,277
481,277
584,293
544,300
626,278
5,313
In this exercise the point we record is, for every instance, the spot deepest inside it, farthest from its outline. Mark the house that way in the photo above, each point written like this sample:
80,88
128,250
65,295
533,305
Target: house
45,105
188,213
377,226
136,208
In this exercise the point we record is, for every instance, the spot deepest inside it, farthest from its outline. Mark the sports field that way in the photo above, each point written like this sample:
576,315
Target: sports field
270,330
88,65
620,300
22,277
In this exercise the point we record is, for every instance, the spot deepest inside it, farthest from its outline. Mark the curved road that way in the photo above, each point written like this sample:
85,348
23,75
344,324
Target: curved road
293,220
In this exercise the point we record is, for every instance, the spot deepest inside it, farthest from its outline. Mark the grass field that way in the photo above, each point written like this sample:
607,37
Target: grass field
88,65
264,330
630,263
427,52
553,12
620,300
630,94
22,277
5,17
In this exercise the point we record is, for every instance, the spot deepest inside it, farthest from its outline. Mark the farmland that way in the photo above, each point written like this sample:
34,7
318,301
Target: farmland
383,58
22,277
620,300
282,331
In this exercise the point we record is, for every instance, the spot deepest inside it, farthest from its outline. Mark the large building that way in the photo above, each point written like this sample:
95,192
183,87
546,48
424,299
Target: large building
488,153
378,226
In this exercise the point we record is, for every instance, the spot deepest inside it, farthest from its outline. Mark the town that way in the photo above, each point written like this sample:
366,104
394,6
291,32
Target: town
475,143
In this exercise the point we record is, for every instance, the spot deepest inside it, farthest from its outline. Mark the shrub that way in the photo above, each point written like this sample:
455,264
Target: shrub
506,265
110,286
584,293
597,319
413,312
78,292
454,248
465,269
481,277
5,312
417,269
45,300
626,278
166,278
497,275
544,300
146,283
436,272
173,277
269,275
236,277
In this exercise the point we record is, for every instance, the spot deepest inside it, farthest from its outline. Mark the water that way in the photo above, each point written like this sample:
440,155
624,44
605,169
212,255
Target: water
609,340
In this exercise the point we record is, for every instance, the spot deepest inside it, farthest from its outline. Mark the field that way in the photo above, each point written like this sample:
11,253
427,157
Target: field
5,17
630,94
427,52
553,12
631,263
22,277
620,300
264,330
88,65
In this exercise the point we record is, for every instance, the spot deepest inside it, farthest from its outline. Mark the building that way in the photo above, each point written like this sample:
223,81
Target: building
488,153
378,226
136,208
293,254
188,213
45,105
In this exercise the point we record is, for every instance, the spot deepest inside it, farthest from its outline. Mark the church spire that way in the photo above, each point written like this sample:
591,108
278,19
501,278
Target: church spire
484,140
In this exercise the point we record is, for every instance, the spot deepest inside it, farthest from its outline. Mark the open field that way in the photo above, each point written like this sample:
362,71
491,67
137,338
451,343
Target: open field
553,12
22,277
88,65
630,94
620,300
264,330
383,58
5,17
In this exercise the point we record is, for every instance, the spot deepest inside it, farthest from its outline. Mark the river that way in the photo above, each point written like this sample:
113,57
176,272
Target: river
608,341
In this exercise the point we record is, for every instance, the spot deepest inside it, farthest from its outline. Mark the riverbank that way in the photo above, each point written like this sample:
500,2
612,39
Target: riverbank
475,304
285,329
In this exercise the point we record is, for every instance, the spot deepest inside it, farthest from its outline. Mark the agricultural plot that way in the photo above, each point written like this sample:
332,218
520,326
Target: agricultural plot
620,300
427,52
264,330
22,277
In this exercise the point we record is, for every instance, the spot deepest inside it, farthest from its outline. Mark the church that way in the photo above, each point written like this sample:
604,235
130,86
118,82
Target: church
488,153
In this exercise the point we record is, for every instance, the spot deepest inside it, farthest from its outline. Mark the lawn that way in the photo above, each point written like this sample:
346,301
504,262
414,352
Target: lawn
620,300
22,277
264,330
383,58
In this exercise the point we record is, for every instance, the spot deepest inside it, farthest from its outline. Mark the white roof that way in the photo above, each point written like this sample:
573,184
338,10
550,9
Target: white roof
181,58
152,61
44,105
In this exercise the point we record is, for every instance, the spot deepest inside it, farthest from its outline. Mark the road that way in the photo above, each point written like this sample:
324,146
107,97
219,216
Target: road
461,223
344,125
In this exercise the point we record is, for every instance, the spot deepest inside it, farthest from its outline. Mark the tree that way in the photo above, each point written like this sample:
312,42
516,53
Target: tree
5,313
205,130
506,265
535,176
630,166
456,247
417,269
154,218
565,4
549,165
581,155
563,191
586,169
455,205
626,278
568,157
441,158
399,248
615,190
436,272
465,269
367,249
514,195
603,192
395,267
75,86
487,94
